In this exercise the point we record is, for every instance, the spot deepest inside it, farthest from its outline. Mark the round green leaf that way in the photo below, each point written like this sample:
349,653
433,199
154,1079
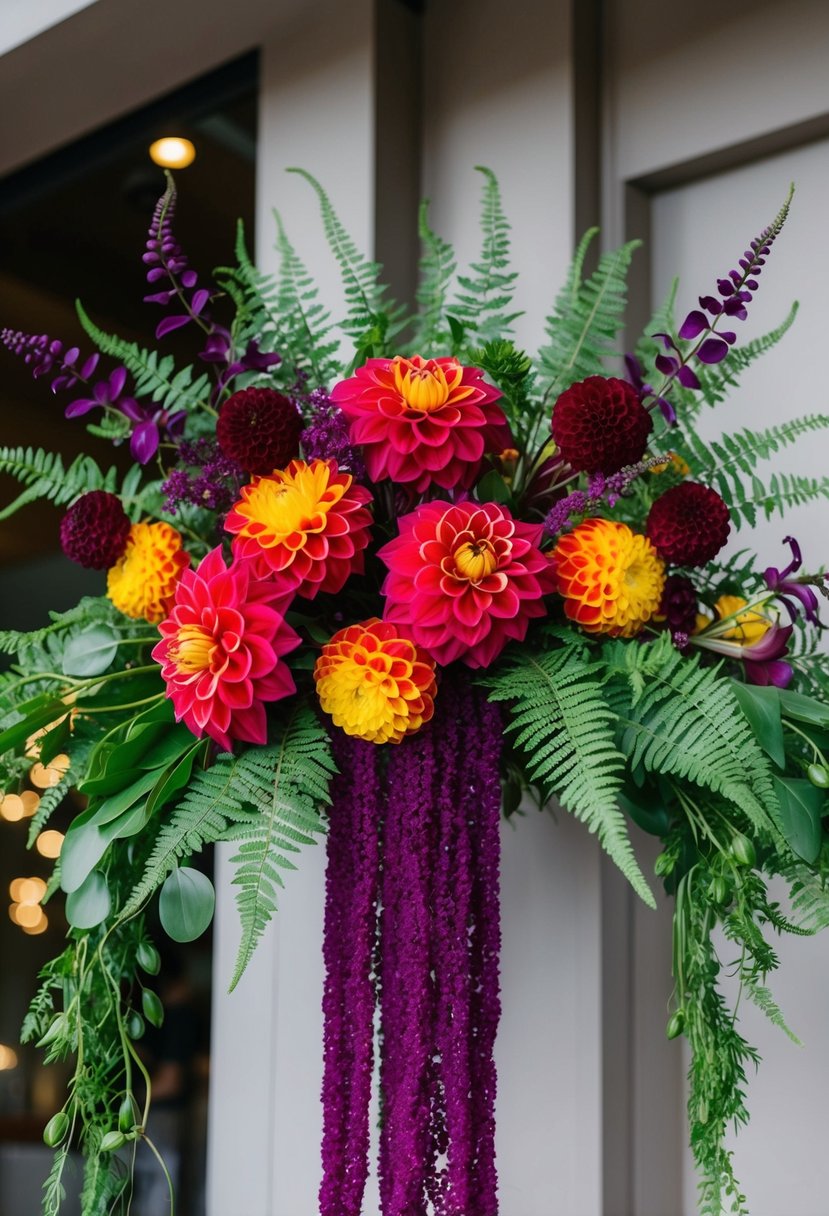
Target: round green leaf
91,652
90,903
186,904
152,1007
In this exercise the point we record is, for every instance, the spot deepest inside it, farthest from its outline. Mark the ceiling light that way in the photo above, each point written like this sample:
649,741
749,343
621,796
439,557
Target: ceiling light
173,152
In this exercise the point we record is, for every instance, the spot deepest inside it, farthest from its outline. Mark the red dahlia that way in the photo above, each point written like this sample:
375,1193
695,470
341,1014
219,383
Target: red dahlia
600,425
688,525
94,530
259,429
679,604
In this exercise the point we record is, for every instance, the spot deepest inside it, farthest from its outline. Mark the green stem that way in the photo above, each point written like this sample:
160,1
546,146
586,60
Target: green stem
165,1171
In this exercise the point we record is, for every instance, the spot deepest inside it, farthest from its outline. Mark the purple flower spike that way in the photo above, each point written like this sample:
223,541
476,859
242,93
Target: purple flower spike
800,590
167,264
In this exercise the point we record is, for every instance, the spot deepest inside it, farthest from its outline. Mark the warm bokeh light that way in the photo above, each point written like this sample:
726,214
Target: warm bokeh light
31,801
26,915
12,808
15,887
45,776
173,152
40,926
8,1058
49,844
31,890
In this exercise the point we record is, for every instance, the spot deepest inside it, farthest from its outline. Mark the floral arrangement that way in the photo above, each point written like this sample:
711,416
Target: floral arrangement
382,603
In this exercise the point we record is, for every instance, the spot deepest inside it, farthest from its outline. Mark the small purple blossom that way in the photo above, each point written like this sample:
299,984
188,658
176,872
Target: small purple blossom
167,263
213,484
327,435
796,594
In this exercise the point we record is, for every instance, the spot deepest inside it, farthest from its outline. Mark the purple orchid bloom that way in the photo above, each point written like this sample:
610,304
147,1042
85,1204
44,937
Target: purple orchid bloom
148,425
786,588
105,393
634,370
764,660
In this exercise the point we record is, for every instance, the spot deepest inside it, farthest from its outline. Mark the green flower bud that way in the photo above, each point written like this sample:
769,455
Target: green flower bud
818,774
152,1007
126,1114
676,1024
55,1130
742,850
135,1025
111,1141
148,958
719,889
664,865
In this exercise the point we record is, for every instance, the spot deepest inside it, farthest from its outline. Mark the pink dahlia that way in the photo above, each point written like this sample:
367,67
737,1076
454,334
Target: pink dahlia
220,651
465,579
306,525
423,422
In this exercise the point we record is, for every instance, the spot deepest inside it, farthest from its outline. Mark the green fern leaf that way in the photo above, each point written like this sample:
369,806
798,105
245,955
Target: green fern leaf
586,319
437,267
486,293
44,476
563,726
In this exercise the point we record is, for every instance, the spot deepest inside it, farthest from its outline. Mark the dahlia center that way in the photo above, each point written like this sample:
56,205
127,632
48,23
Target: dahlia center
193,649
475,560
423,386
287,508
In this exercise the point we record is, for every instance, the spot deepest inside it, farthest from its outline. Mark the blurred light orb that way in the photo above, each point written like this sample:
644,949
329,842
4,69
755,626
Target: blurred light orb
172,152
49,843
12,808
8,1058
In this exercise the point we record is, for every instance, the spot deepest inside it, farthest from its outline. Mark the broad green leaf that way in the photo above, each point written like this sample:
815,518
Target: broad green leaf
56,740
651,819
50,710
90,903
87,840
761,707
174,778
186,904
801,807
802,708
91,652
493,488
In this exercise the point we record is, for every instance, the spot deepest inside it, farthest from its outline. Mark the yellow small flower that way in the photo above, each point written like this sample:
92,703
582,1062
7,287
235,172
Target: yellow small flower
611,578
674,462
143,581
375,684
748,627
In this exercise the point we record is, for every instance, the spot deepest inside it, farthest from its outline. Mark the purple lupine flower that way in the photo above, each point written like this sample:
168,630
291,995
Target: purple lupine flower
800,590
327,436
167,263
348,1001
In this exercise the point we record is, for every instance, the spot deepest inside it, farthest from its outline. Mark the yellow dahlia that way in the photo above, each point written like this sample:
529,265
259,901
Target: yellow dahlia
375,684
143,581
611,578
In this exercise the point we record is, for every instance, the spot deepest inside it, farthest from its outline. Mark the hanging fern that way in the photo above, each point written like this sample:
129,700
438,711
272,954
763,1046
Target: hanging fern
437,267
154,375
482,305
564,729
587,318
729,464
269,799
44,476
370,319
683,720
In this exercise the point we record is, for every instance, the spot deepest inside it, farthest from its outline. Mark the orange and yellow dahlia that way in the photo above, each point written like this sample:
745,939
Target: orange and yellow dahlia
610,577
423,422
465,579
143,580
307,525
220,651
374,683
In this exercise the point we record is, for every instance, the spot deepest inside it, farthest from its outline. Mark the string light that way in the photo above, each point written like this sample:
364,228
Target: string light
12,808
31,801
49,844
41,925
44,776
8,1058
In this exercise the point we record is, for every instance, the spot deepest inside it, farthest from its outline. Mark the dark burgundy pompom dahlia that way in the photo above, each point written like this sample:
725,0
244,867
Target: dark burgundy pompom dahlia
688,525
94,530
679,604
259,428
600,425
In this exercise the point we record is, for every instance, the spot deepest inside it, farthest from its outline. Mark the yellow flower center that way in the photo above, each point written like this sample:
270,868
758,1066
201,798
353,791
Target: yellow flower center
193,649
285,506
475,560
748,627
425,386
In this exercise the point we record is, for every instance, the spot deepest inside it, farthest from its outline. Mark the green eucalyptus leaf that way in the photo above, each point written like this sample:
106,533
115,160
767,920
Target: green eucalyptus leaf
90,652
761,707
90,903
88,838
801,807
186,903
152,1008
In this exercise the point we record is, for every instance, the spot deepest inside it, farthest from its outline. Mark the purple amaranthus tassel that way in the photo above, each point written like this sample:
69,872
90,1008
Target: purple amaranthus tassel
348,1001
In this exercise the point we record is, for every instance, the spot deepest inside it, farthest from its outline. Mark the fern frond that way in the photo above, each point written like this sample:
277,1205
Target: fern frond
154,375
304,323
367,310
586,319
486,292
683,720
44,476
288,784
437,267
564,728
